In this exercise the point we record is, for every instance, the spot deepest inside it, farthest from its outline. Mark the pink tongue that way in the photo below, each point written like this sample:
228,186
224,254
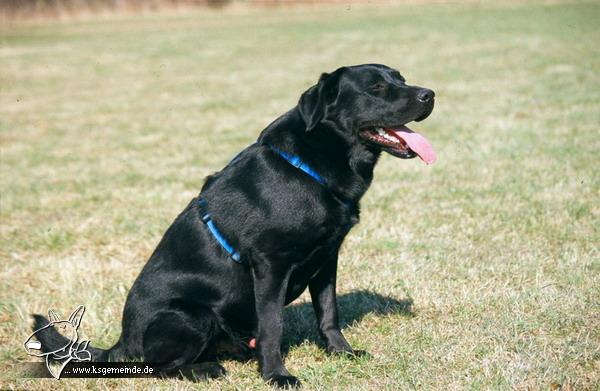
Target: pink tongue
417,143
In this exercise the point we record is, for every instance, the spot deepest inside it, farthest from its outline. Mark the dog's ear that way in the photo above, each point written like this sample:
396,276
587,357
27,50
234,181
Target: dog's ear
313,102
53,316
75,317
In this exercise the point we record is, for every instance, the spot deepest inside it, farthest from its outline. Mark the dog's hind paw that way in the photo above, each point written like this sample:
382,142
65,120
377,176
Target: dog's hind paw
283,381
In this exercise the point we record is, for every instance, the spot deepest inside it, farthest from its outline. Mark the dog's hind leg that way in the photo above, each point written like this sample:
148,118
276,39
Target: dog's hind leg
175,340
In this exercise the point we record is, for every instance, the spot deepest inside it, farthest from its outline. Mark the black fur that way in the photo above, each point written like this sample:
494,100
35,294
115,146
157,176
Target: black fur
191,300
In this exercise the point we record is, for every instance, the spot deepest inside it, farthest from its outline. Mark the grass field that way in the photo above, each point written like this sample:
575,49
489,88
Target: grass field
480,272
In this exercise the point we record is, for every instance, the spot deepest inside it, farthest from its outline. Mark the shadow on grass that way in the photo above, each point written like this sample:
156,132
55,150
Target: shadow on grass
301,326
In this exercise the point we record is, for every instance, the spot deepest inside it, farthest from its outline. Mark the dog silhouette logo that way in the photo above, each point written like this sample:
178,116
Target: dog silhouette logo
66,345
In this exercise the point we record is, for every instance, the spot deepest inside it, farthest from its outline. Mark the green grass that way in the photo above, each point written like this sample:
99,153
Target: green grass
480,272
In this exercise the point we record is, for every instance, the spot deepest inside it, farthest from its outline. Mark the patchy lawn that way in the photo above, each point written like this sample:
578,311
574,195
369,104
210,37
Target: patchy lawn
480,272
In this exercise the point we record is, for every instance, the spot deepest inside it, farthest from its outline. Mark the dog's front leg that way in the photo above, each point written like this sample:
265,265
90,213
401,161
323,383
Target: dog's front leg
270,286
324,299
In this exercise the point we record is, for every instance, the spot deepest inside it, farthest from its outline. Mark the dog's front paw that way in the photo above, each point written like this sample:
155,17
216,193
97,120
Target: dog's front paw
283,381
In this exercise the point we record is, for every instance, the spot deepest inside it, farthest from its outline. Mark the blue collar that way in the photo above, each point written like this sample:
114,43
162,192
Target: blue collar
295,161
299,164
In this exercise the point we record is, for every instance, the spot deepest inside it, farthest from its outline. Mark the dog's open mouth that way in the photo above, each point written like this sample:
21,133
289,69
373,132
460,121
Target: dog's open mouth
401,142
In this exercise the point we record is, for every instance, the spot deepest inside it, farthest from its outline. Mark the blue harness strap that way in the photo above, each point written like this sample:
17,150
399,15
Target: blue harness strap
207,219
294,161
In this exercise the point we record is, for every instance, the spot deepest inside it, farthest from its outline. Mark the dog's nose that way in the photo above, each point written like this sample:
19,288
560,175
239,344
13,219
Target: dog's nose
425,95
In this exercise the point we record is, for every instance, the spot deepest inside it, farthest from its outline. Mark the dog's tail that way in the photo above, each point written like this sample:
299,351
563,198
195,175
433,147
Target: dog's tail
51,341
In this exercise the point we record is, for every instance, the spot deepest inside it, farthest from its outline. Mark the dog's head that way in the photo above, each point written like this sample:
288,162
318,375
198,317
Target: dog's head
370,104
66,328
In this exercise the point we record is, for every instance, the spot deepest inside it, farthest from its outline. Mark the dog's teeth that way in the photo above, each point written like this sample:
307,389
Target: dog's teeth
388,137
385,135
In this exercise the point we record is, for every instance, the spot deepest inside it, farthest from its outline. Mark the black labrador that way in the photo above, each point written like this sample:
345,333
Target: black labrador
266,227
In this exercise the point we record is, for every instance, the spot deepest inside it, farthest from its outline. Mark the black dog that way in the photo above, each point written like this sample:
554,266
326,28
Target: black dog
266,227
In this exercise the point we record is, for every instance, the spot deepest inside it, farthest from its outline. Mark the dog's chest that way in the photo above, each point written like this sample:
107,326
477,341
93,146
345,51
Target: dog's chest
323,253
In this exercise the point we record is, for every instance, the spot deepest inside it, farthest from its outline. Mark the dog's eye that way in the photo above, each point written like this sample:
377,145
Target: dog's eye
379,87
